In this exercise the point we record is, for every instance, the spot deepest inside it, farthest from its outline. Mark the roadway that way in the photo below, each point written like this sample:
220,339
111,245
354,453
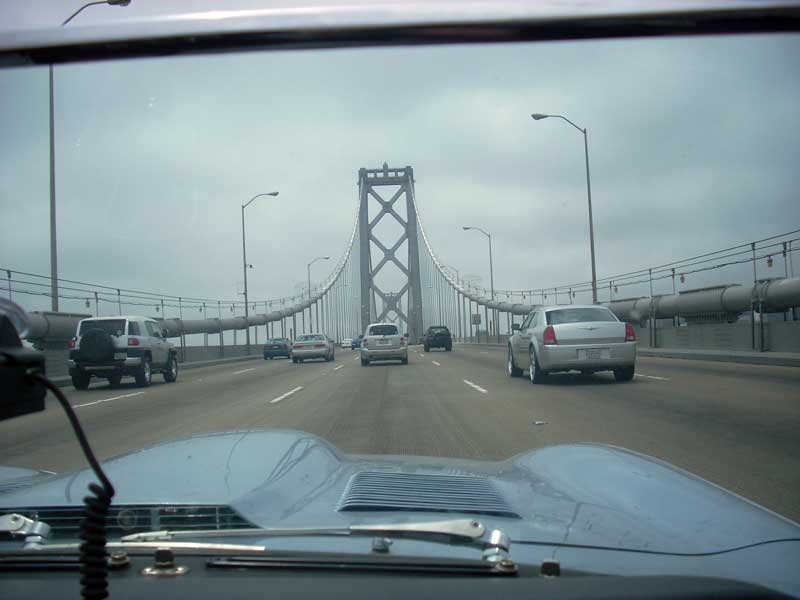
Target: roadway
735,425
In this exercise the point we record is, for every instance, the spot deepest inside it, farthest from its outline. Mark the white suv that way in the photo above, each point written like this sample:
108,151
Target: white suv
382,341
111,347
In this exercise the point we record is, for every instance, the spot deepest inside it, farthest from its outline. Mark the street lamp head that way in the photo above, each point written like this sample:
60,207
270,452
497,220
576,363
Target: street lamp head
326,257
118,2
272,194
538,116
466,228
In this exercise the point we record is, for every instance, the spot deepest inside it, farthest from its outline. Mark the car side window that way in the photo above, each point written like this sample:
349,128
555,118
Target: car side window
527,322
152,329
133,328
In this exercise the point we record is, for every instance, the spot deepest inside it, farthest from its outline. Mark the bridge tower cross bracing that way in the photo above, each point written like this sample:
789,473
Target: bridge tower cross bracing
370,184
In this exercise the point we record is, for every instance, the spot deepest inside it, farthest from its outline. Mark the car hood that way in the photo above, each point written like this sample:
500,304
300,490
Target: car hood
575,494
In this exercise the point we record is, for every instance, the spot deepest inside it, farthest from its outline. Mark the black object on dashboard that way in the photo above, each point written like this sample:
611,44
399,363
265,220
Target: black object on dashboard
19,393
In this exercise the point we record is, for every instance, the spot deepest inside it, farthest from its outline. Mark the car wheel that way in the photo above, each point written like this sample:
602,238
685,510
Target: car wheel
448,349
115,379
364,362
625,373
144,373
81,380
426,348
404,360
171,372
513,369
535,374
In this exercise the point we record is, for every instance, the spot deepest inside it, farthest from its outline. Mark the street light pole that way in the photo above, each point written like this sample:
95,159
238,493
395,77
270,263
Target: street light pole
491,281
244,268
584,131
53,245
308,270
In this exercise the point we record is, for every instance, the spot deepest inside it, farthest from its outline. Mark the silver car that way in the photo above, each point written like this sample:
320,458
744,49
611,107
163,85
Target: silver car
382,341
585,338
312,345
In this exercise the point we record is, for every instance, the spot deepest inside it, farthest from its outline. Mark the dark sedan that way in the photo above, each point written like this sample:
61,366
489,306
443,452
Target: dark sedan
277,347
356,343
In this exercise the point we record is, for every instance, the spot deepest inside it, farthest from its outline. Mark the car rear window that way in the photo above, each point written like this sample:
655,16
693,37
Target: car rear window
310,338
435,330
383,330
110,326
579,315
275,341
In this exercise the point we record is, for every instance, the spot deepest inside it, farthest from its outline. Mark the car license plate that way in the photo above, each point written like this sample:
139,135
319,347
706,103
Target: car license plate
384,342
594,354
120,355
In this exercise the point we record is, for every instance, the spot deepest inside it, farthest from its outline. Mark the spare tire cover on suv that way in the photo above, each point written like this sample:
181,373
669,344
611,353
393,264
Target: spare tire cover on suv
96,346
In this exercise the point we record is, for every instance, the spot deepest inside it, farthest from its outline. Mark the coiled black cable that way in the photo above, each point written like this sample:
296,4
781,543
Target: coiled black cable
94,564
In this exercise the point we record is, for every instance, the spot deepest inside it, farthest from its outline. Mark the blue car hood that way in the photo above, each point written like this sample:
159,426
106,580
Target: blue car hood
576,494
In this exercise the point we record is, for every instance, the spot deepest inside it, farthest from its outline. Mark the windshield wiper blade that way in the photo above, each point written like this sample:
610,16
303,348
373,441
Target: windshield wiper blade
466,530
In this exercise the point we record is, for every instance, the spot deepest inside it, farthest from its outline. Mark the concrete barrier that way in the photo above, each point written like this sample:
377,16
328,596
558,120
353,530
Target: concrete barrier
56,359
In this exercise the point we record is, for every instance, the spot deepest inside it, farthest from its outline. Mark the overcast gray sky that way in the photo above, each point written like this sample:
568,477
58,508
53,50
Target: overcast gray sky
694,145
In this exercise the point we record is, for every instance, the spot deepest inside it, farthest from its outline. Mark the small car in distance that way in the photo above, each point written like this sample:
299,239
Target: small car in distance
277,347
312,345
347,344
356,343
585,338
437,336
382,341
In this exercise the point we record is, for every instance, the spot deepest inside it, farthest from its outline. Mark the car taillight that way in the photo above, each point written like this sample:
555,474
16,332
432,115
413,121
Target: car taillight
132,341
319,345
630,334
549,336
364,342
71,344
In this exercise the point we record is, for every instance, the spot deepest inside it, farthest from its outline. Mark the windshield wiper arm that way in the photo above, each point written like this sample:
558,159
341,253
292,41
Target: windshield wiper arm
467,530
495,544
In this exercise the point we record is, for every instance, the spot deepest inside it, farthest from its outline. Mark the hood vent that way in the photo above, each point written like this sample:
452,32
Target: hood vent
373,491
123,520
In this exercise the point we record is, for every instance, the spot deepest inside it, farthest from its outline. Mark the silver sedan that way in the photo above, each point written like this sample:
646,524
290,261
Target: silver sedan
312,345
585,338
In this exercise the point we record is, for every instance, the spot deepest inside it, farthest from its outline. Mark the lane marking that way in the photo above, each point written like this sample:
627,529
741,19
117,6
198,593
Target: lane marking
436,363
475,386
286,395
355,359
651,377
483,352
337,368
244,371
107,400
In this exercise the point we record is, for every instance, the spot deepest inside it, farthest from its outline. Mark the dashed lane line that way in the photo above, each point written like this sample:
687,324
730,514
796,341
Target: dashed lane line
337,368
652,377
286,395
244,371
107,400
436,363
475,386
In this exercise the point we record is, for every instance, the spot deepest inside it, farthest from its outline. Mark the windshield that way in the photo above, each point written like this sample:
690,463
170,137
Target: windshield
578,315
111,327
296,195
